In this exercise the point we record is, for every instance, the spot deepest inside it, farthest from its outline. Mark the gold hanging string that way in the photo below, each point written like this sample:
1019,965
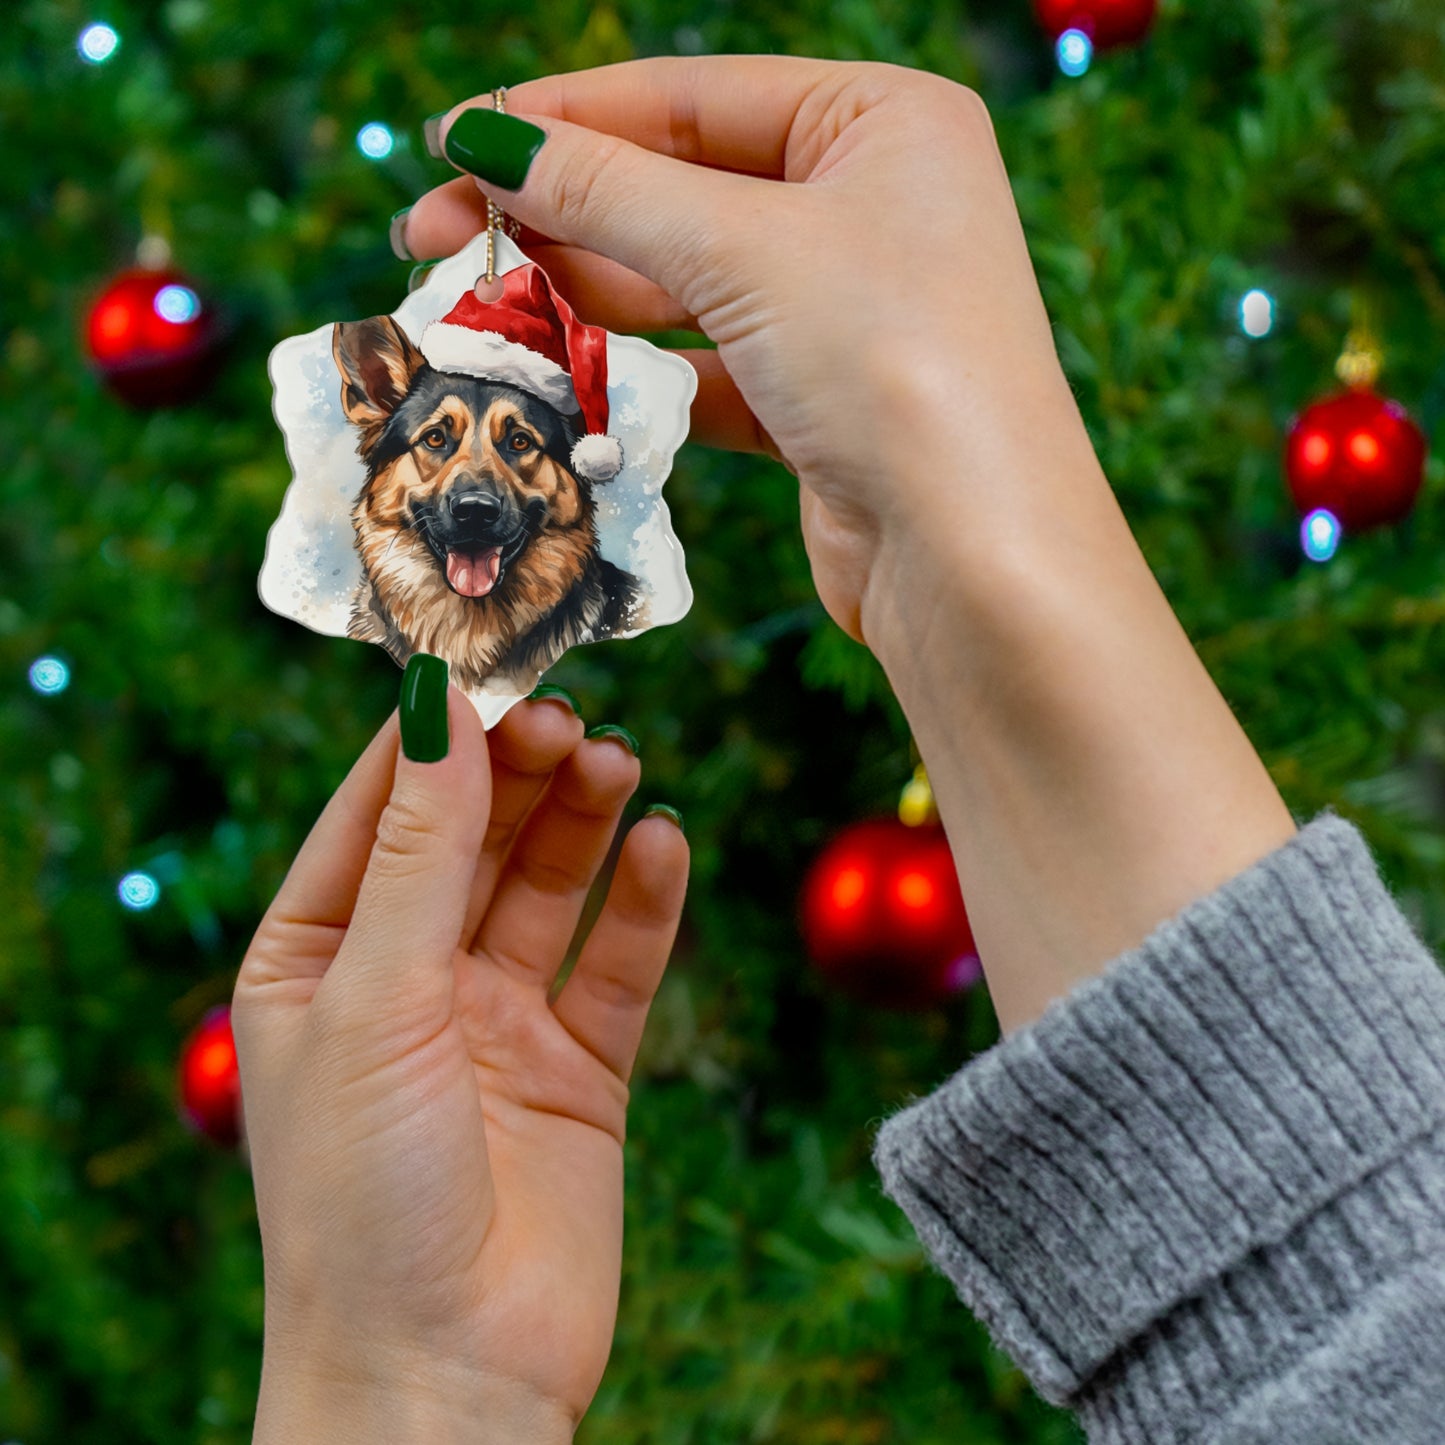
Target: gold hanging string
497,218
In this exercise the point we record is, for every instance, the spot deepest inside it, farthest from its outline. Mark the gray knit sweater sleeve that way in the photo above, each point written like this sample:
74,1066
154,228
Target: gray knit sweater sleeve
1202,1199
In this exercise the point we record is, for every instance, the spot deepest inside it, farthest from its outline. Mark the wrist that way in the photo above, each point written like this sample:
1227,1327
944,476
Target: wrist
1092,779
404,1400
998,470
952,569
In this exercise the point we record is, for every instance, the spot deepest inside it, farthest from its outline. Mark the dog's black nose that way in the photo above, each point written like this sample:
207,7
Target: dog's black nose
474,509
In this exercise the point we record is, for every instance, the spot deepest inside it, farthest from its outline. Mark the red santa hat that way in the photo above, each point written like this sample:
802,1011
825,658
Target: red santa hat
529,338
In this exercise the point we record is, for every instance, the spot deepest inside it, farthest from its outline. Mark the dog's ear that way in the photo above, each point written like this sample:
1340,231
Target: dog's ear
377,363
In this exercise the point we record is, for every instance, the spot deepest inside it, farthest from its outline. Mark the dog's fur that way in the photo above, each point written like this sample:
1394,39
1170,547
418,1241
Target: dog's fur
456,468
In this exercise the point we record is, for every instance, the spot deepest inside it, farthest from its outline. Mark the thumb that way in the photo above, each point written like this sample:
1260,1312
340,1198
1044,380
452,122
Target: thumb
663,218
413,898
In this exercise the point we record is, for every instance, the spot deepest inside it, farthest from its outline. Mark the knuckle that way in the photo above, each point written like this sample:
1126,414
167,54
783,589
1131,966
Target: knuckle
651,912
974,109
966,97
407,833
684,129
576,196
617,990
936,108
886,74
933,93
553,876
955,116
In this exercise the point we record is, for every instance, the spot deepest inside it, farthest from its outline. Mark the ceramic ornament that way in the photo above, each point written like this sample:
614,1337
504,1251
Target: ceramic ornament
476,478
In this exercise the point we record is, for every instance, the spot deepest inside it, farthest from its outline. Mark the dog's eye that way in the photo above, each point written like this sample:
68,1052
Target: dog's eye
434,440
521,442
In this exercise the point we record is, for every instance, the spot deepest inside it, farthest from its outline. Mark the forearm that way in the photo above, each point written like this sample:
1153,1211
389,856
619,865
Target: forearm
1091,778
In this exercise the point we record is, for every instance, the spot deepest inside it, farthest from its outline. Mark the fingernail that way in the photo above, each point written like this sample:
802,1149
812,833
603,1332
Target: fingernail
424,735
550,689
431,133
498,148
664,811
419,273
397,235
612,730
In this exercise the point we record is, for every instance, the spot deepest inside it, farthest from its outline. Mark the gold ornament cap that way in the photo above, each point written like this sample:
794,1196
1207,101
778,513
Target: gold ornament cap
1360,362
915,804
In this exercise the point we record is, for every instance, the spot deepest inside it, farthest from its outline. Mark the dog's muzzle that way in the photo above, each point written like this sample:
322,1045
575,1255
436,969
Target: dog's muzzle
479,533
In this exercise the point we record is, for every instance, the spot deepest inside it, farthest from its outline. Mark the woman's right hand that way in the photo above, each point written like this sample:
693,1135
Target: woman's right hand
848,237
878,324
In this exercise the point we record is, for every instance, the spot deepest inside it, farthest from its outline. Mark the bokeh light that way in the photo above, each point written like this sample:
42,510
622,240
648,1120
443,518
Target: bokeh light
1256,313
1315,451
375,141
1320,535
914,889
1075,52
49,675
849,887
97,43
138,891
964,971
177,304
1364,448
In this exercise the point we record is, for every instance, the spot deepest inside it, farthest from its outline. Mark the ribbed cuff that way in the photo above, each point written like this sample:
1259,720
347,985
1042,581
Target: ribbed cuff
1191,1141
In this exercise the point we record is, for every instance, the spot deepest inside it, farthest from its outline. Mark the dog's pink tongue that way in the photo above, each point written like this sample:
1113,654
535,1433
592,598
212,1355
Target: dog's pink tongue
474,574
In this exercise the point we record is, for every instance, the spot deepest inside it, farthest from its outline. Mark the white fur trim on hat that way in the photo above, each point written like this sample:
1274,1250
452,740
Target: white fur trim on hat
597,457
489,355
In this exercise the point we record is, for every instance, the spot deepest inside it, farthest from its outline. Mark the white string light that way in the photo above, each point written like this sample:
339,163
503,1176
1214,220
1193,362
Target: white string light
97,43
375,140
1256,313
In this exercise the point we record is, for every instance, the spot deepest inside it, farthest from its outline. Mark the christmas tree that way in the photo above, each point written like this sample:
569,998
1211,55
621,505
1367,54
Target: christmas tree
1213,210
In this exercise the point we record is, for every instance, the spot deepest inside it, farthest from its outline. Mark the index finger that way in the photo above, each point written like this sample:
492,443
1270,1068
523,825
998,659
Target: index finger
732,112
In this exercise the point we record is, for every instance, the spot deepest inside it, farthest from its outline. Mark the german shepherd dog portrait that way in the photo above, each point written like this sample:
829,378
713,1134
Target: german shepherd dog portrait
477,534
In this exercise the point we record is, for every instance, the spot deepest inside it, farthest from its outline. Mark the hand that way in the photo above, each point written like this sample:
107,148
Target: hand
847,235
437,1150
878,323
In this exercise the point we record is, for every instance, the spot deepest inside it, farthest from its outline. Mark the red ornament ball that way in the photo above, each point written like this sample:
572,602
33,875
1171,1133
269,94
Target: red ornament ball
1359,456
883,918
1107,23
210,1081
152,338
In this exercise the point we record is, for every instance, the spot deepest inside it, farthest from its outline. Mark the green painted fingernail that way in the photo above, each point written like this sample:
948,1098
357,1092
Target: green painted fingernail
612,730
431,133
396,233
663,810
424,735
550,689
498,148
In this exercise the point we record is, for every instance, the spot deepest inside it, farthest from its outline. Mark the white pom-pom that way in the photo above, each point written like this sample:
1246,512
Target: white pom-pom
597,457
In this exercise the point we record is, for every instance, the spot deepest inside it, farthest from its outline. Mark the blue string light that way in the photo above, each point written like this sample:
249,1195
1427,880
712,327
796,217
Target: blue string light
375,141
1075,52
1320,535
49,675
177,304
97,43
138,891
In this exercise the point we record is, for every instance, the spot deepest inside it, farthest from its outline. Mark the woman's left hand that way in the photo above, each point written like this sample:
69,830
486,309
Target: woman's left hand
437,1149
